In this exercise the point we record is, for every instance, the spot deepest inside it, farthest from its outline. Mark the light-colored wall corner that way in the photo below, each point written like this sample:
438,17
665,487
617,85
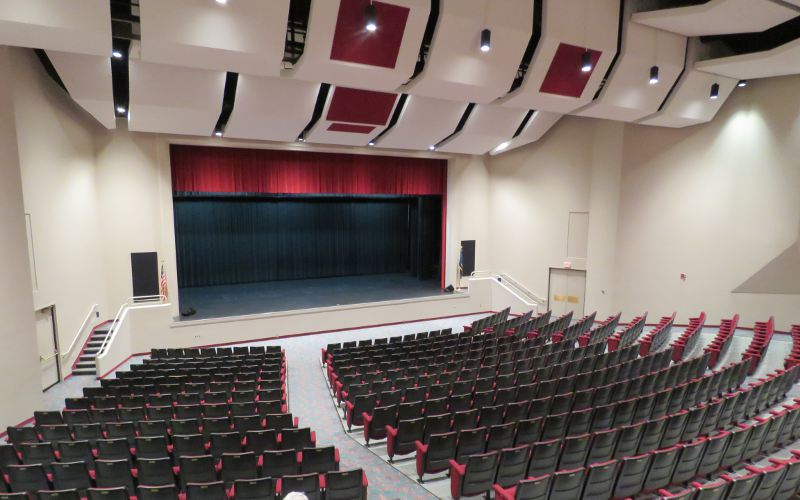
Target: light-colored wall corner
716,201
20,381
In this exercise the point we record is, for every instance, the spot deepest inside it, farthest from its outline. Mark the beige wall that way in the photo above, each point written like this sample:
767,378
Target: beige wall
20,381
56,153
716,201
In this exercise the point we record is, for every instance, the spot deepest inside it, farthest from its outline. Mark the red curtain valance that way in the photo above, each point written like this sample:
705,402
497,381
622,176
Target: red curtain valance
207,169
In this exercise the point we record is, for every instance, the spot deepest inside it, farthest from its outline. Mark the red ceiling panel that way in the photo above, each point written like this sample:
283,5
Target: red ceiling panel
349,127
353,43
360,106
564,77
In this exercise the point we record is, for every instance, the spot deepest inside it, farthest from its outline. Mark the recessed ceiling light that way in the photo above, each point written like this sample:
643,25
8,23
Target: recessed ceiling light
371,17
120,109
486,40
714,91
586,61
653,75
116,54
742,83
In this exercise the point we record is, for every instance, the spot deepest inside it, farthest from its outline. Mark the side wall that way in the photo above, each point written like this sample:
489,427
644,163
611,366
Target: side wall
718,202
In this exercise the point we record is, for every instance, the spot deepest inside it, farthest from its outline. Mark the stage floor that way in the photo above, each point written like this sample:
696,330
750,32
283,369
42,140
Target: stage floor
256,298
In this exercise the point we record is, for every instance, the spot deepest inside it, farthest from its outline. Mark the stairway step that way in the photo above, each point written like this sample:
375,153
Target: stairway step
85,365
86,359
84,372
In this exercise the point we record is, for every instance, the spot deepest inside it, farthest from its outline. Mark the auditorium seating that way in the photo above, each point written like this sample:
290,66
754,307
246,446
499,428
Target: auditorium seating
762,335
629,334
719,346
600,333
793,358
687,341
202,423
575,330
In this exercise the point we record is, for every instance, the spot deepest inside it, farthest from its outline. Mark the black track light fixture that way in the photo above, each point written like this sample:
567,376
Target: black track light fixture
486,40
371,17
653,75
742,83
586,61
714,91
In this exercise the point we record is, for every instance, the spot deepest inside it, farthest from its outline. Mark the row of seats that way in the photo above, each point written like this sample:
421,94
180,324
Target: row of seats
793,358
762,335
397,341
687,341
575,330
212,352
629,334
479,325
546,332
656,338
512,324
601,332
655,466
719,346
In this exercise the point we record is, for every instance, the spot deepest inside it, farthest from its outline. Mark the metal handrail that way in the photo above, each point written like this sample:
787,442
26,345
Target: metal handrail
503,277
66,354
48,358
129,302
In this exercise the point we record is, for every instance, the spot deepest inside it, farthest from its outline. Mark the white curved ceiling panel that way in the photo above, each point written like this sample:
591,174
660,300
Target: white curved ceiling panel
718,17
82,27
782,60
352,117
88,81
487,126
271,109
174,100
456,68
628,94
423,121
339,50
554,80
538,125
240,36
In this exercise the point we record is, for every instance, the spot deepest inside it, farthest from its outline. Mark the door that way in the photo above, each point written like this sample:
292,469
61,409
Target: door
567,290
47,339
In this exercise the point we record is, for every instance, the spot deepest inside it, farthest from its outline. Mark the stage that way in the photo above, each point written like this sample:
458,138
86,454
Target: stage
258,298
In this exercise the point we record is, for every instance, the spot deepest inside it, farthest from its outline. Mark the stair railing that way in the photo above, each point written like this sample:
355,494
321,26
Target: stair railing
515,288
120,316
65,355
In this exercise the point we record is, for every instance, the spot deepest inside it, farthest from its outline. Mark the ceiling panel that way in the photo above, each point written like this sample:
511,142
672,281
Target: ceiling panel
424,121
554,80
88,81
271,109
718,17
339,50
174,100
244,37
539,123
351,117
782,60
689,103
487,126
82,27
456,68
628,94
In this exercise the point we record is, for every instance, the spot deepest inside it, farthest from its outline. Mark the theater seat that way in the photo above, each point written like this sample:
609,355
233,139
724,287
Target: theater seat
400,440
532,488
475,476
308,484
346,485
254,489
206,491
435,456
157,493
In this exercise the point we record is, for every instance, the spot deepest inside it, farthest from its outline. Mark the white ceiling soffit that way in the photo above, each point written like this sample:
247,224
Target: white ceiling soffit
240,36
88,81
316,64
423,122
456,68
271,109
487,126
592,24
628,94
174,100
690,102
782,60
718,17
82,27
346,125
537,126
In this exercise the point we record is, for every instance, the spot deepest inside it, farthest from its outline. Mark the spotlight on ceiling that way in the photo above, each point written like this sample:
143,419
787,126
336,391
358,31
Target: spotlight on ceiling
486,40
742,83
222,2
301,139
371,17
218,133
371,143
714,91
116,54
653,75
432,147
586,61
502,146
121,110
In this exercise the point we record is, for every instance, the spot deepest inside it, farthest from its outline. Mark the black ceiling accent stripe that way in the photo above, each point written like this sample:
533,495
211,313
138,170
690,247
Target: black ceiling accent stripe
120,75
527,56
398,110
296,30
525,121
461,123
427,38
747,43
228,101
125,20
620,24
319,106
677,80
49,68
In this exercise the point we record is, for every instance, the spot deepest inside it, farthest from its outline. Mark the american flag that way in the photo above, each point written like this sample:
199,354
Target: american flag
163,283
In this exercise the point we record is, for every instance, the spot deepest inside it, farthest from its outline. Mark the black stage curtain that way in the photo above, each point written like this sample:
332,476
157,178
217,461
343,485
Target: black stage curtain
226,240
